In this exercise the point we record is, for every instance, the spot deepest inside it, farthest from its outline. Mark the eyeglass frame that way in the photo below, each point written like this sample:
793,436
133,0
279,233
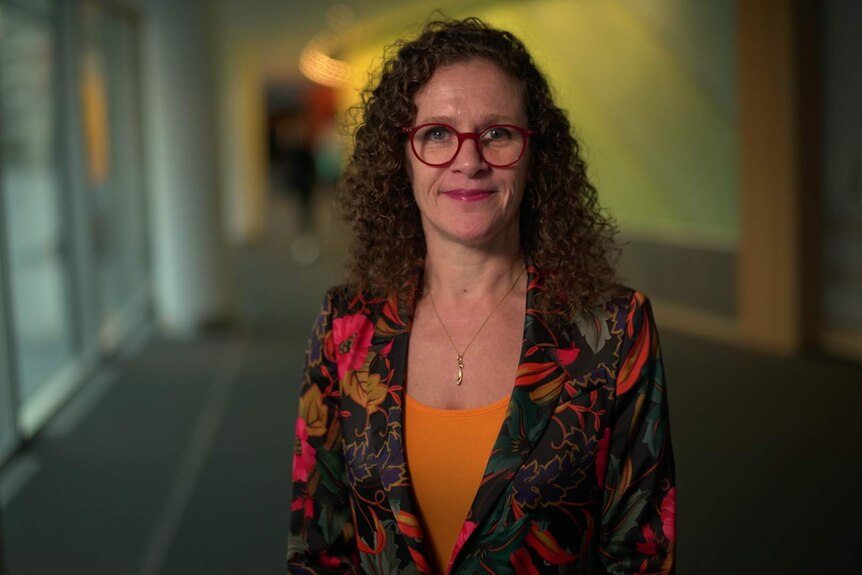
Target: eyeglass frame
525,134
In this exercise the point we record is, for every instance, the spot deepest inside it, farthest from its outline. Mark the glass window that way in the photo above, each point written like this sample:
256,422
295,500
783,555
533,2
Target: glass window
8,433
36,244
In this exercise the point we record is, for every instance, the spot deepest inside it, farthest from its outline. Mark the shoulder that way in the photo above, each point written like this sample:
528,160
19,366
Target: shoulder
613,324
337,299
620,306
618,297
346,300
638,346
630,303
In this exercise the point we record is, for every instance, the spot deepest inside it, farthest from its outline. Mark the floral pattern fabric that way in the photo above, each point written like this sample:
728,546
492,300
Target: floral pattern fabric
580,479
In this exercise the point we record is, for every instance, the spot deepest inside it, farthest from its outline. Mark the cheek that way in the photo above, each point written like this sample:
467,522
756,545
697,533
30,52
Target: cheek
421,179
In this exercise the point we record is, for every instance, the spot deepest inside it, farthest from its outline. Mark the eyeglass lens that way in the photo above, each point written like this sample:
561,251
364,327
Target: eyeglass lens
438,144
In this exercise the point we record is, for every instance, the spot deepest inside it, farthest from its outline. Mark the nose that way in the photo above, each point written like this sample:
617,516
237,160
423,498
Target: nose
469,160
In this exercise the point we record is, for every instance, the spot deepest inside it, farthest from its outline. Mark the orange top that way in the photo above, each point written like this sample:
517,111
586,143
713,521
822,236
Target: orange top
447,451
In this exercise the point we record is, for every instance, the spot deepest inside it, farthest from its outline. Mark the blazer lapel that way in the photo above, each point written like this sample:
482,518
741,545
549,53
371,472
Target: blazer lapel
549,361
392,336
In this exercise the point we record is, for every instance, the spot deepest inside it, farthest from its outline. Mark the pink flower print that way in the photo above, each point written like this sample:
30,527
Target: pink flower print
306,504
668,514
304,455
328,561
352,335
466,530
602,454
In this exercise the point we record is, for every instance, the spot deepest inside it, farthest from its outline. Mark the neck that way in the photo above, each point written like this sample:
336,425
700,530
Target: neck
459,275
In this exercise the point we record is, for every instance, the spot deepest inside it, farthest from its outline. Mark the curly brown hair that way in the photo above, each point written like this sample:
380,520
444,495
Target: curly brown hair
562,228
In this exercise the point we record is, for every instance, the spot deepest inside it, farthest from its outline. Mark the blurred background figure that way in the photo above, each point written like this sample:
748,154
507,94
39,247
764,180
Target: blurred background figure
144,203
304,162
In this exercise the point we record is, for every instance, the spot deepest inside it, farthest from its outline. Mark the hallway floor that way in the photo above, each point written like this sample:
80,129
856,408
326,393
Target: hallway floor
176,458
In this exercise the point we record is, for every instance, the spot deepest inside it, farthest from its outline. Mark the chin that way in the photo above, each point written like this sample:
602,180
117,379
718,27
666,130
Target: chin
476,237
472,229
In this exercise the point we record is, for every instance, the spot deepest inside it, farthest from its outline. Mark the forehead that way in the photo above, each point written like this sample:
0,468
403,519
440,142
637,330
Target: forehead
470,91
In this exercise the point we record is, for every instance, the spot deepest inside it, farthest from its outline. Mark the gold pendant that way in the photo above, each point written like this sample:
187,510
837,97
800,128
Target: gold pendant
460,370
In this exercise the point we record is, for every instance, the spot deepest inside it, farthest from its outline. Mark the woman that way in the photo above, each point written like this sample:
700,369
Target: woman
479,396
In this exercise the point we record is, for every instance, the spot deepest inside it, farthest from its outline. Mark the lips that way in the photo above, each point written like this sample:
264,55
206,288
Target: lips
468,195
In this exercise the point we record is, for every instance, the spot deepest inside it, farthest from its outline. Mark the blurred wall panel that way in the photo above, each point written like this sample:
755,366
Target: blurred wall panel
241,105
113,166
841,288
770,254
189,258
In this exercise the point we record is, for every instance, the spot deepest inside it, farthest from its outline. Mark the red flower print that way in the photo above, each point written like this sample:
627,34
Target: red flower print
352,337
303,453
379,538
421,563
567,356
408,524
523,563
602,454
668,515
638,356
648,546
638,300
530,373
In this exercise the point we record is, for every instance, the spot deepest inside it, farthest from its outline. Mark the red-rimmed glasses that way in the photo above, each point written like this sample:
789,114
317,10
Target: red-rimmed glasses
500,145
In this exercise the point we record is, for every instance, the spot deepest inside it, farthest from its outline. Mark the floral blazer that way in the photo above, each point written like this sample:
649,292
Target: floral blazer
580,479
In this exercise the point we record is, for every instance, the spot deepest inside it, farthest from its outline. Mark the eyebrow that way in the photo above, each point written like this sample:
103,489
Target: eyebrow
486,119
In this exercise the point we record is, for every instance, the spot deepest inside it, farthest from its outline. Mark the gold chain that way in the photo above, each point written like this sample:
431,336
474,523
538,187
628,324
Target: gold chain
460,355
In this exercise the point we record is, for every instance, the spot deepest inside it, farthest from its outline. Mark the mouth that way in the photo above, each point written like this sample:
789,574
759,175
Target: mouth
471,195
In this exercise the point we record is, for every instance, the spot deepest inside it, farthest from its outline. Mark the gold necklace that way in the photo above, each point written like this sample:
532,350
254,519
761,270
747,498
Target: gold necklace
460,355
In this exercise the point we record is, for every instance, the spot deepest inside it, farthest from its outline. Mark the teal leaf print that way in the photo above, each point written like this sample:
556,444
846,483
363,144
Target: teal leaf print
628,516
654,434
594,327
331,467
497,543
332,522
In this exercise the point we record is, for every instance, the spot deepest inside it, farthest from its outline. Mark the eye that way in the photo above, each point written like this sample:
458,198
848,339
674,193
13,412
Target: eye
435,135
497,134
